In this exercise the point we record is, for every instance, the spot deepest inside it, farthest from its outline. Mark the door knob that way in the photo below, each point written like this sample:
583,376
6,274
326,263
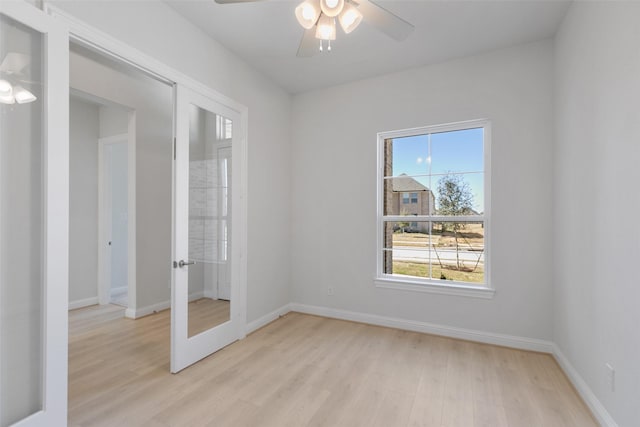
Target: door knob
182,263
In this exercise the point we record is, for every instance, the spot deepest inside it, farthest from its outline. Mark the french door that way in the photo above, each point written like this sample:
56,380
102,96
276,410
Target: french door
34,183
206,301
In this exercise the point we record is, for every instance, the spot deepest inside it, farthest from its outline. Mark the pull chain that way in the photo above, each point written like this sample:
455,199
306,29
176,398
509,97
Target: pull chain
321,48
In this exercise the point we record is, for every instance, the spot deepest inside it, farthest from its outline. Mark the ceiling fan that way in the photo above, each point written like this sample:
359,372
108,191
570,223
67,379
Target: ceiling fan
318,18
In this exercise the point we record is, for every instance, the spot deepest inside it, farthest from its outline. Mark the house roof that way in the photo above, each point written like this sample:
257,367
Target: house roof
405,183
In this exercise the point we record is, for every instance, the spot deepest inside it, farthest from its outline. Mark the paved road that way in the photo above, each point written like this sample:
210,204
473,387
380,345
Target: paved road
447,255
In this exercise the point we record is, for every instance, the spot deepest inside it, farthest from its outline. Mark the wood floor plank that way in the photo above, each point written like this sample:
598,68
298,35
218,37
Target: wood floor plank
305,370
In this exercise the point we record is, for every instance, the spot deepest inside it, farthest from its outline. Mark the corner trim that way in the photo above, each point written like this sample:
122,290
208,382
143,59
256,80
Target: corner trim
267,318
522,343
597,408
83,303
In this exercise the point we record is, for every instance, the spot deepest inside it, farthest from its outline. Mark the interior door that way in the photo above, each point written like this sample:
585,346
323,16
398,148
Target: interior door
34,216
204,319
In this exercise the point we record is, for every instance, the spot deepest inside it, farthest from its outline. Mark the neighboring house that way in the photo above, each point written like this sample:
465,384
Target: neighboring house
412,198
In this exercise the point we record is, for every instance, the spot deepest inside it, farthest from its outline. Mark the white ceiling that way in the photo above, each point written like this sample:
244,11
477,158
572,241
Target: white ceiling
266,35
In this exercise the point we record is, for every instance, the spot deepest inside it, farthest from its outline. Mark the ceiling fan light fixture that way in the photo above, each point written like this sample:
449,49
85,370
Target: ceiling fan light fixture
326,28
331,8
7,99
350,18
5,88
23,96
6,93
307,13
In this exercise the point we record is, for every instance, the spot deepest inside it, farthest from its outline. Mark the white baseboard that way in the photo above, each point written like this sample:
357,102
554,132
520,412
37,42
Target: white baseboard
522,343
83,303
267,318
597,408
145,311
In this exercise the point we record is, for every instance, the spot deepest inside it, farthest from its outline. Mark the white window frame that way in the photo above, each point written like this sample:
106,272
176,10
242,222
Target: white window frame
410,283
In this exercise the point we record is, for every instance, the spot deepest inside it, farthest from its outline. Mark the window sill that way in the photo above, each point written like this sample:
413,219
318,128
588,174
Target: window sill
434,288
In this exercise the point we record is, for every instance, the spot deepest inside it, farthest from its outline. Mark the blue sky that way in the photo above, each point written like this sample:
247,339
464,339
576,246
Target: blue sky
427,158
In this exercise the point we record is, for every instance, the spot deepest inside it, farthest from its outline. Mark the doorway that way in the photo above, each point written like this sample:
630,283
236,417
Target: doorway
102,204
131,174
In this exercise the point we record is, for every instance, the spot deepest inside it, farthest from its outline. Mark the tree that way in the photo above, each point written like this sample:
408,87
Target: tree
454,199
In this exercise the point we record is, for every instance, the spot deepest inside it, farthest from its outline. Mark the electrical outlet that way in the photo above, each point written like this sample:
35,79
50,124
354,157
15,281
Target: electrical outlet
330,290
611,376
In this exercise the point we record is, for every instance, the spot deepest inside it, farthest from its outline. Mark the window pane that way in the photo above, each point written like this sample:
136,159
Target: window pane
459,251
407,249
408,196
459,194
457,151
442,251
408,156
413,234
21,220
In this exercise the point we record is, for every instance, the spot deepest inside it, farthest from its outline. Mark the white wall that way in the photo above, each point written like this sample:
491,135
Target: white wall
334,187
596,202
166,36
83,201
113,121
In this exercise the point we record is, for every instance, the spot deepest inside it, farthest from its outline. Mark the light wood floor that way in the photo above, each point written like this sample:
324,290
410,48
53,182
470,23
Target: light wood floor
309,371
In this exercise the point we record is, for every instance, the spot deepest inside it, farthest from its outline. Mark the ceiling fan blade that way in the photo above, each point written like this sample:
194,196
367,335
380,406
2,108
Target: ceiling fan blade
309,44
387,22
235,1
14,62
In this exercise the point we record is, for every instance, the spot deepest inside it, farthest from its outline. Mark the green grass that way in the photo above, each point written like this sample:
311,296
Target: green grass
422,270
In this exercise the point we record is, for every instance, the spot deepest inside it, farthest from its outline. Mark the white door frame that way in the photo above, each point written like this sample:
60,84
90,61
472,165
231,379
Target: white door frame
55,213
87,35
104,210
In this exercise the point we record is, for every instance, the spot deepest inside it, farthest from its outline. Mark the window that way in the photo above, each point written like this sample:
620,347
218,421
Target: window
409,198
442,247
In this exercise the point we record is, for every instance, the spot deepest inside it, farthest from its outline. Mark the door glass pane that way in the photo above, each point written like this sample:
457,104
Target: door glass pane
210,137
21,221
